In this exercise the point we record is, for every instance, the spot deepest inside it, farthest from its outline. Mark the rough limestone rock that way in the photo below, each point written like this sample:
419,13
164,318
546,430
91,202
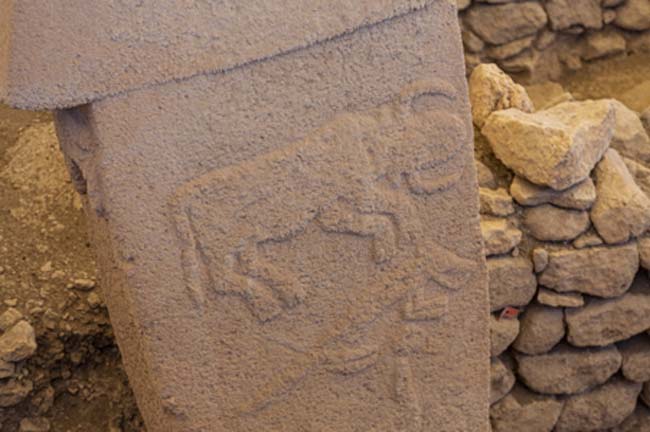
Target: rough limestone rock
602,408
524,19
540,259
495,202
129,45
555,299
645,393
541,328
639,421
525,62
547,94
579,197
486,177
637,98
522,410
35,424
603,44
636,358
549,223
463,4
9,317
600,271
490,89
557,147
501,380
588,239
644,252
499,237
18,343
13,392
7,369
645,118
633,15
503,331
621,210
568,370
641,174
510,49
567,14
630,138
290,277
602,322
511,282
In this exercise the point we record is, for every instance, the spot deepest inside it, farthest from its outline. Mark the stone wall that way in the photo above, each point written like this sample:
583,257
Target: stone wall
541,39
565,213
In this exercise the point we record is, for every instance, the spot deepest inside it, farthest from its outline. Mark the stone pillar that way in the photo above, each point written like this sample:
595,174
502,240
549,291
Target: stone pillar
288,238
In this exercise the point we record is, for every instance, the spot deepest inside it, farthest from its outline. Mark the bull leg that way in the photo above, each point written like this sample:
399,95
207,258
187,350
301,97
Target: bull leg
285,286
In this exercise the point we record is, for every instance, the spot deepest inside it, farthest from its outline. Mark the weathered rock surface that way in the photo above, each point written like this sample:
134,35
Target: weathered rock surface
644,252
603,44
499,237
501,380
486,178
645,393
524,19
645,118
557,147
511,282
621,210
568,14
13,391
521,63
510,49
549,223
541,328
588,239
34,424
18,343
602,322
547,94
463,4
496,202
9,317
640,173
503,331
630,138
7,369
639,421
636,358
579,197
490,89
568,370
633,15
540,259
553,298
522,410
602,408
606,271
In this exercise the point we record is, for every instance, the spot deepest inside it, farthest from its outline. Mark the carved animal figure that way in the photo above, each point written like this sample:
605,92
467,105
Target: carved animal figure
332,176
358,174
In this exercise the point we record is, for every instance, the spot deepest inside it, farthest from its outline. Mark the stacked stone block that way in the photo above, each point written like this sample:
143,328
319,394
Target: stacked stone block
565,219
543,38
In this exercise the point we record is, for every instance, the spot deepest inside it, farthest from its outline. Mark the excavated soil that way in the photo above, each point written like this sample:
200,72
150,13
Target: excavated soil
47,270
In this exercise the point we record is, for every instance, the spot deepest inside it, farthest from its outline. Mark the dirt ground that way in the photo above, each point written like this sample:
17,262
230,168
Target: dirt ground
47,271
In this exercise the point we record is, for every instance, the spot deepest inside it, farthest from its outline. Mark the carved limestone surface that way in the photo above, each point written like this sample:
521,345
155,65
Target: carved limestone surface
289,242
356,179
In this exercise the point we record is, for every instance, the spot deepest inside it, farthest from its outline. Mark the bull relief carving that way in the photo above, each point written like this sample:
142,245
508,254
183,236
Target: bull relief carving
360,174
